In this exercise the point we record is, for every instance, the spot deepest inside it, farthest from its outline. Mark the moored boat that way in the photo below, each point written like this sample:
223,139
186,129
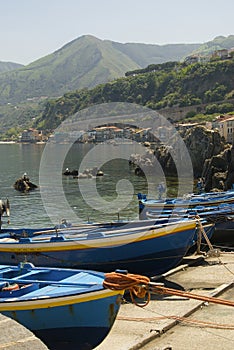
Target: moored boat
139,247
189,201
221,215
65,308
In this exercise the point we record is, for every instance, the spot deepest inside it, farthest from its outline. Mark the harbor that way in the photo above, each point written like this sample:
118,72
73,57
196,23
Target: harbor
168,321
117,176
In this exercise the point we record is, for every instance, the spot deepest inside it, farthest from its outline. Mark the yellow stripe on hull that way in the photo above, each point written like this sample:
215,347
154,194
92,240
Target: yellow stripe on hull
48,302
97,243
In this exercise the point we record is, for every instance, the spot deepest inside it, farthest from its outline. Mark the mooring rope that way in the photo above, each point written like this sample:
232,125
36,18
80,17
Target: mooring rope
181,319
140,287
135,284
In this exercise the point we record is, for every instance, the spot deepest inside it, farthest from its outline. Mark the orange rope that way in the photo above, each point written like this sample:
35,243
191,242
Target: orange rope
136,284
182,319
140,286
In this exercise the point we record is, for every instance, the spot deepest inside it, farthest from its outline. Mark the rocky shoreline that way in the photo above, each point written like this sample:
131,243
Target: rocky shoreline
211,157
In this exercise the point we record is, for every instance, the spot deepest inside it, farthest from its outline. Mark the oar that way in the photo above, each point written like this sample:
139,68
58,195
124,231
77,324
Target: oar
61,284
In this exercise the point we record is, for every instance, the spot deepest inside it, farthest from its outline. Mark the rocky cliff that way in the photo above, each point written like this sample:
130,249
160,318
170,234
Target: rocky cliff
211,158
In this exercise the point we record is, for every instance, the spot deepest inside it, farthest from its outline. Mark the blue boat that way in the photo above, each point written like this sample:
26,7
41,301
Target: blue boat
221,214
202,211
189,201
139,247
65,308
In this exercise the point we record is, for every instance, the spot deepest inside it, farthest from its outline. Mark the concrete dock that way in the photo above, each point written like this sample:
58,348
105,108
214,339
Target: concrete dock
15,336
178,323
167,322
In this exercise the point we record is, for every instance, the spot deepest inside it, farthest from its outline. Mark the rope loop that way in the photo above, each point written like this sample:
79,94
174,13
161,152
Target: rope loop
137,285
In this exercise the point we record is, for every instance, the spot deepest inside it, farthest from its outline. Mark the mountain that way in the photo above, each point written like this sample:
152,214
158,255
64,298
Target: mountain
218,43
83,63
88,61
8,66
146,54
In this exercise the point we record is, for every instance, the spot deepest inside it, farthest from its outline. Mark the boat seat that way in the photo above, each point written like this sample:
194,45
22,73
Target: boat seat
83,278
30,273
57,239
92,235
25,240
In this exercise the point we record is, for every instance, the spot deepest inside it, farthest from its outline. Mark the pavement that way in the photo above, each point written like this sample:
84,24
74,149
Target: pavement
15,336
163,323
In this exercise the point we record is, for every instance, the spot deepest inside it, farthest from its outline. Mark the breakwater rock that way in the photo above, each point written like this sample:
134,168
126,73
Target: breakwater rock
218,171
211,157
201,143
23,185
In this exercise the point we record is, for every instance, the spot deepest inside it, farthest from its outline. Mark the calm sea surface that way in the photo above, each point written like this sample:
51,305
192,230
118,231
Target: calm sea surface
105,198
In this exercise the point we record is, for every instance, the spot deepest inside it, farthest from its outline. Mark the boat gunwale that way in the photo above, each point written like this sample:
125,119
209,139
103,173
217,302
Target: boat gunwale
100,242
42,302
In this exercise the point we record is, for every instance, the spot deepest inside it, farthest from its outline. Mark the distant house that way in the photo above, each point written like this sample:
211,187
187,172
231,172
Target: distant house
103,133
222,54
31,136
231,52
192,59
226,129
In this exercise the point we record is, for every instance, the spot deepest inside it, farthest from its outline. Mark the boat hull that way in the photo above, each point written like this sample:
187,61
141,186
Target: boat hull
152,252
205,199
78,323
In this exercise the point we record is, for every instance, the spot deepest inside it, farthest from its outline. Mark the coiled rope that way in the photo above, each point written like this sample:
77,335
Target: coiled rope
135,284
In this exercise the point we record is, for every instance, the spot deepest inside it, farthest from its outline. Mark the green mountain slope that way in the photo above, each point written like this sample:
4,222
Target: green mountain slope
145,54
88,61
83,63
218,43
8,66
169,85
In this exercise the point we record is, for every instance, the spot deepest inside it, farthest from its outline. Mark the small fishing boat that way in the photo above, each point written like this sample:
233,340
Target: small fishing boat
204,212
65,308
189,201
221,215
139,247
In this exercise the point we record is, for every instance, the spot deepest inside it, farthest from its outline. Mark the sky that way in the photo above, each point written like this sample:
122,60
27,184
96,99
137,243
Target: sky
31,29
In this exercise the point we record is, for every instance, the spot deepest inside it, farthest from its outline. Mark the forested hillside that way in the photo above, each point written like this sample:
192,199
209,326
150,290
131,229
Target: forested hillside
168,85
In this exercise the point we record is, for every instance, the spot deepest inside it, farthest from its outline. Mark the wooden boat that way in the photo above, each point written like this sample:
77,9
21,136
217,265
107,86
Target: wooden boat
189,201
65,308
203,212
139,247
222,216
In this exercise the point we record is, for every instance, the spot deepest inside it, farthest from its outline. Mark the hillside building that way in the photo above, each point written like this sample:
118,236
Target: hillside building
31,136
226,129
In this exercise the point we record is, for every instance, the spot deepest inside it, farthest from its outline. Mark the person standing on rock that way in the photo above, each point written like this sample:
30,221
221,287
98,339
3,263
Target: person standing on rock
161,190
200,185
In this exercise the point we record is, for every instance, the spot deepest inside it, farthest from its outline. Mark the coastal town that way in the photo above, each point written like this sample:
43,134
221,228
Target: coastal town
223,123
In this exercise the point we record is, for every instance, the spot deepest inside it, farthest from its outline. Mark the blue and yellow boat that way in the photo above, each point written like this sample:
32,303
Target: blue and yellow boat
206,199
65,308
139,247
